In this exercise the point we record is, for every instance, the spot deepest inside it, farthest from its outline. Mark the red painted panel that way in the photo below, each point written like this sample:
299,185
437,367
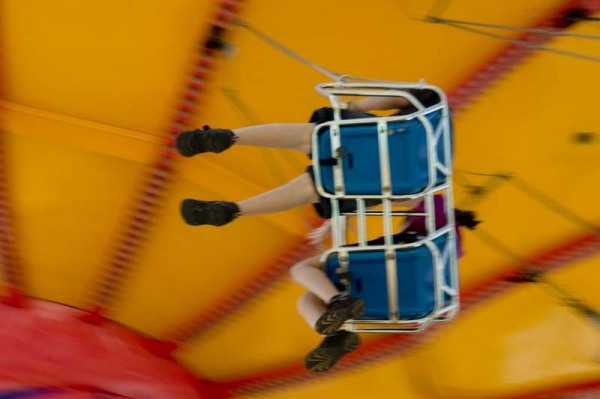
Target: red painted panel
48,345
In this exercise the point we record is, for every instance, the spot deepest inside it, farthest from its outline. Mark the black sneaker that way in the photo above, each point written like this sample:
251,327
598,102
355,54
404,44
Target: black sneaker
208,140
340,309
216,213
331,350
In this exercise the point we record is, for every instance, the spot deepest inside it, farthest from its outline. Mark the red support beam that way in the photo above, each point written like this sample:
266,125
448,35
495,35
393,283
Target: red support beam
10,260
156,183
513,54
587,390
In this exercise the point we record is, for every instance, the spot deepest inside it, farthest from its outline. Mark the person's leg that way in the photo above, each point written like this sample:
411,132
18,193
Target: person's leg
297,192
325,303
311,308
309,274
331,350
326,309
295,136
334,346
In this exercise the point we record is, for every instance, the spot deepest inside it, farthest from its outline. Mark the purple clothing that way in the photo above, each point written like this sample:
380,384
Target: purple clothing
417,223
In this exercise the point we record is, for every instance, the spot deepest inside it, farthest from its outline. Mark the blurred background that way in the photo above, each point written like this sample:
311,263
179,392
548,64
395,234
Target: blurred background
107,293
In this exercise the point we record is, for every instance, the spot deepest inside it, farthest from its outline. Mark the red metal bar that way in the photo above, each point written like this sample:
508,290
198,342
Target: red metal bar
587,390
159,175
10,259
513,54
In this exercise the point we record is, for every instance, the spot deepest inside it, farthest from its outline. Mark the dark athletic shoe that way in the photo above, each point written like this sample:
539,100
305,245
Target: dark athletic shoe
208,140
338,311
216,213
331,350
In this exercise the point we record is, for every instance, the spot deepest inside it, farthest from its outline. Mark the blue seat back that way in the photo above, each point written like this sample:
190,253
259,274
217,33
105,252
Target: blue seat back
415,270
408,156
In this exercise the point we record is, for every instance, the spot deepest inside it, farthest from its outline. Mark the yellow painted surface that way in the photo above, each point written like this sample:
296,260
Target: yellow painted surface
579,281
89,90
539,344
68,204
119,63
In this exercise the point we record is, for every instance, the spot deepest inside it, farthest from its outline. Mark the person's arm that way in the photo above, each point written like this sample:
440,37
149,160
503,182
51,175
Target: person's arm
377,103
318,235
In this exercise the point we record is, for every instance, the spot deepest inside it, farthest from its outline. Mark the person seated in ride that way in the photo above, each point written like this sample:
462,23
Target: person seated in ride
325,308
296,136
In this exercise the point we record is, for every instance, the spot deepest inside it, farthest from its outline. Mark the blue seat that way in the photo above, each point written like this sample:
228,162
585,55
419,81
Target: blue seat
366,278
407,149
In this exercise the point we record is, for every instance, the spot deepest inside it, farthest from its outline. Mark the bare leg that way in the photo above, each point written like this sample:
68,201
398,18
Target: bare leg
311,308
308,273
297,192
324,308
295,136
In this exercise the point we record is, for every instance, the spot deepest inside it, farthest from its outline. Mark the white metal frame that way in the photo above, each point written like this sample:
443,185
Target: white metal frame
348,86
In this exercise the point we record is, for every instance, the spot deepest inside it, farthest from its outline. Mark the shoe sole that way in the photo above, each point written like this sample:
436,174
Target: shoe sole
323,359
188,148
197,213
332,321
184,145
189,214
187,211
